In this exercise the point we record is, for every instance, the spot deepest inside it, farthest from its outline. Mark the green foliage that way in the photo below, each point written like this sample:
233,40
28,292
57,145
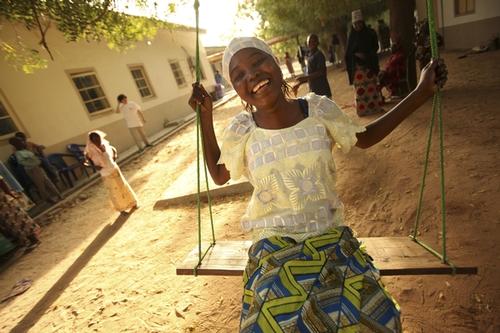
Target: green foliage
287,17
23,58
78,20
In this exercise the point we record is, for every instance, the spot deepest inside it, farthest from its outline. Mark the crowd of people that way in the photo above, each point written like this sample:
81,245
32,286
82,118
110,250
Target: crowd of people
373,86
31,166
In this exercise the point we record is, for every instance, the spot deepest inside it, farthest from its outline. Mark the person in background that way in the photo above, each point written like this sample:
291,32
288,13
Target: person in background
394,71
135,120
316,70
384,35
104,155
218,77
219,88
38,150
362,66
15,223
423,43
335,59
32,165
35,148
289,63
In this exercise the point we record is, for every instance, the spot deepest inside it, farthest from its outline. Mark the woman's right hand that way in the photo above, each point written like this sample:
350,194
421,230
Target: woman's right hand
200,97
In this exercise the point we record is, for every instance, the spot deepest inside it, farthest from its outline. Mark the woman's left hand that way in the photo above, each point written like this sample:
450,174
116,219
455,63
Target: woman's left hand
433,76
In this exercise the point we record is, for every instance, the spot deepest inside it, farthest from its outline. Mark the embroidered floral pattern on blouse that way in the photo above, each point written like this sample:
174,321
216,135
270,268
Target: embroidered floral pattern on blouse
305,186
266,191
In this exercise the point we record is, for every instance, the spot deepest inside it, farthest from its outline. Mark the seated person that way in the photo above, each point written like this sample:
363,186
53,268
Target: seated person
35,148
32,165
394,71
38,151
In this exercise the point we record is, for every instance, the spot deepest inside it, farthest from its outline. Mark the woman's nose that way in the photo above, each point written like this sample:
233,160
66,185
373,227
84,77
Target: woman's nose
253,73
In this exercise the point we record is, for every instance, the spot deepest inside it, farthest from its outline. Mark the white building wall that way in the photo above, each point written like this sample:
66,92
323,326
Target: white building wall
464,31
48,107
485,9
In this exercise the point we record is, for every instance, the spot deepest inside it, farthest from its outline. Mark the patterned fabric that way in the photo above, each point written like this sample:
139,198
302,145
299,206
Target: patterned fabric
240,43
15,223
368,100
292,169
121,194
393,73
323,284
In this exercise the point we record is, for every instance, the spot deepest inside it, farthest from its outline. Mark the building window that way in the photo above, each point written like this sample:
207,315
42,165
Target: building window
179,76
7,125
192,67
465,7
141,81
91,92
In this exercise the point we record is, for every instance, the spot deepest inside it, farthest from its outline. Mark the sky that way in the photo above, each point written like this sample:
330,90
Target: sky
217,17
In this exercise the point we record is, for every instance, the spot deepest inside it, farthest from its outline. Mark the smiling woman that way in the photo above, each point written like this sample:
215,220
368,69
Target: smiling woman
256,76
306,271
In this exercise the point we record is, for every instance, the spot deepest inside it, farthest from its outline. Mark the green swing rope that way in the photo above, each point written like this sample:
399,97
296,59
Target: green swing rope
199,139
436,106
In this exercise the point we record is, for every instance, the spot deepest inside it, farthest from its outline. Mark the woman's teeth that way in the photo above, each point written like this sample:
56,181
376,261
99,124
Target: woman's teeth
260,85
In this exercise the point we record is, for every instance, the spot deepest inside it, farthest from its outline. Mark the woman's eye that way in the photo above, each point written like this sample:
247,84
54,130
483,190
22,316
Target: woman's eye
238,76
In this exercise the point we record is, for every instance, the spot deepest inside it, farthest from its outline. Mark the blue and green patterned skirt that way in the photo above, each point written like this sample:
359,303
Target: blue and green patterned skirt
326,283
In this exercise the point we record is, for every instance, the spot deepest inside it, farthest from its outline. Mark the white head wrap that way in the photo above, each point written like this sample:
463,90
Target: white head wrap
239,43
92,151
357,15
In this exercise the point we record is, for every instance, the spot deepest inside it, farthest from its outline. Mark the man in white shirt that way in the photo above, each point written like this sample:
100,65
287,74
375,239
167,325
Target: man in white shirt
135,120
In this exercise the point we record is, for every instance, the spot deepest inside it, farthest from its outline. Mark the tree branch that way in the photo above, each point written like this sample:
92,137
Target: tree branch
43,31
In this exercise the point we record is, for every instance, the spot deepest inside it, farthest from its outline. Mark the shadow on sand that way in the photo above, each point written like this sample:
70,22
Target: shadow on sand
32,317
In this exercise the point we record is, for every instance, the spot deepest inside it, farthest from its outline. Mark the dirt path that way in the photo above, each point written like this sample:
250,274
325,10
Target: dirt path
98,272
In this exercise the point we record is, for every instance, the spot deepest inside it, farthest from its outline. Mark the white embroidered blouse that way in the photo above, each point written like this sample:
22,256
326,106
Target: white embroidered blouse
291,169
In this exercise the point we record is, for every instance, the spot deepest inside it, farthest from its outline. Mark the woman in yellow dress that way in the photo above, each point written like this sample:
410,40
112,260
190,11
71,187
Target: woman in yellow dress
103,156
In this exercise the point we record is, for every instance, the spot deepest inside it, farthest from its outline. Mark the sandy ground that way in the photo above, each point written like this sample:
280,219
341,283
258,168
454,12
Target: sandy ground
97,271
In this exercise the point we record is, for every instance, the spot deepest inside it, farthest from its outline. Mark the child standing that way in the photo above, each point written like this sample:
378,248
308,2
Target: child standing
306,271
103,155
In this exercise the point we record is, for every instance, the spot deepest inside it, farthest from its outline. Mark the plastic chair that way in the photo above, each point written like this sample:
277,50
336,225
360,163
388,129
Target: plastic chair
63,169
77,151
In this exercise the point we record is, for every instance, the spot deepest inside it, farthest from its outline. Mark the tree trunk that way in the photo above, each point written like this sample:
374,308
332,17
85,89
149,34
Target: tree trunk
402,24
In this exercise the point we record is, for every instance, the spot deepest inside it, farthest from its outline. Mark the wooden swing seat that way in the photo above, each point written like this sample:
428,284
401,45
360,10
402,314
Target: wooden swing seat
391,255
